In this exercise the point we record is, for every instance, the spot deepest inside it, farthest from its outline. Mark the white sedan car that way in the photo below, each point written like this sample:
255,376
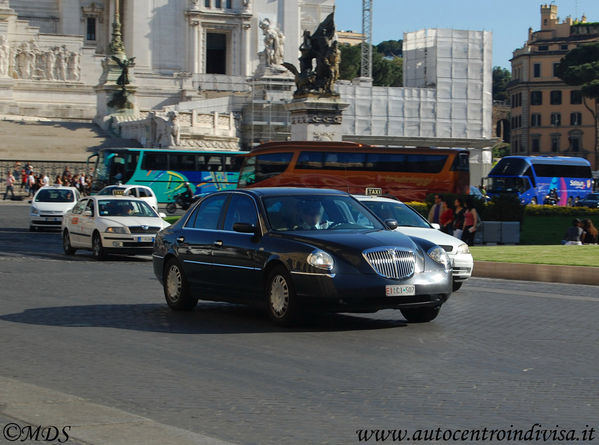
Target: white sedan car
411,223
134,191
49,205
111,224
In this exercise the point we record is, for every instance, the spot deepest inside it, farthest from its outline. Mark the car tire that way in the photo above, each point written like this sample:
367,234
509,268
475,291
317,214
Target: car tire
457,285
97,249
420,315
176,288
281,299
171,208
66,244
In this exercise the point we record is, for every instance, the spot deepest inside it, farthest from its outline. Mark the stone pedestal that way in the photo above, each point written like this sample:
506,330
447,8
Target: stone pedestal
316,118
109,94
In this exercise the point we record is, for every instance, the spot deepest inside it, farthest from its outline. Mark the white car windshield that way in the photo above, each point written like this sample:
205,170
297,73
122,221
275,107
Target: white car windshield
405,216
125,207
313,212
55,195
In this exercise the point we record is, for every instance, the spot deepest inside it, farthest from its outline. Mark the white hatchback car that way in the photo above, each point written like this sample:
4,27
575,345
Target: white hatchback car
411,223
135,191
111,224
49,205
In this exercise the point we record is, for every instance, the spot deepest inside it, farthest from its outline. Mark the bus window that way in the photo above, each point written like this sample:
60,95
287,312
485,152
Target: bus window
215,163
408,163
182,162
232,163
262,167
155,161
566,171
531,176
344,161
309,160
461,163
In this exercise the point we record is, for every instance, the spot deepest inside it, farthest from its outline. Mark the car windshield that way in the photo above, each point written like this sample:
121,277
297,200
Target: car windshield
55,195
405,216
314,212
125,207
112,191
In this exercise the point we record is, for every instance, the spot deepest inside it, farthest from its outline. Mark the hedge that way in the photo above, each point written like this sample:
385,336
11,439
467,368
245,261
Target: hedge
544,210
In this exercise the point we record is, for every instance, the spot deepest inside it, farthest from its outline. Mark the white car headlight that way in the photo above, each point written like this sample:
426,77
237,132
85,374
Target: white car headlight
122,230
35,211
463,248
321,260
439,255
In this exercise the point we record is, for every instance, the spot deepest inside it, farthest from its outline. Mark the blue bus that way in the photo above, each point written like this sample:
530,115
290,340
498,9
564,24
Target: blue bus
166,171
533,178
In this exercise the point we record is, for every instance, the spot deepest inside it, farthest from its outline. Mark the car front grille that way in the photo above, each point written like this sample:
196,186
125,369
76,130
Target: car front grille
390,262
144,229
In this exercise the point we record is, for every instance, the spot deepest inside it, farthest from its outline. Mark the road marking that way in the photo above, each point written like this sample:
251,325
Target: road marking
532,294
91,423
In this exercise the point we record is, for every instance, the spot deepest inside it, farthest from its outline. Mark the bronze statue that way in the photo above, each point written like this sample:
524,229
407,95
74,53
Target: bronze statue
322,47
124,65
120,99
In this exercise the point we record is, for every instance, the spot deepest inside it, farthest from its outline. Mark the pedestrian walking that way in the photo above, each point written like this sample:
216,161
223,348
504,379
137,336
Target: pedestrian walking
10,182
435,212
31,181
446,218
470,222
45,180
458,218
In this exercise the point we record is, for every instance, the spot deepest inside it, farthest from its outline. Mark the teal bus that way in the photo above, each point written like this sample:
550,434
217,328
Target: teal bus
166,171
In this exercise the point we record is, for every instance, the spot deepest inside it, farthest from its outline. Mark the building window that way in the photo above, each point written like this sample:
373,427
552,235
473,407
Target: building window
536,97
555,138
575,97
575,140
218,4
229,4
564,47
555,67
537,69
516,100
536,143
207,3
556,119
515,145
543,47
535,120
556,97
216,53
90,33
575,119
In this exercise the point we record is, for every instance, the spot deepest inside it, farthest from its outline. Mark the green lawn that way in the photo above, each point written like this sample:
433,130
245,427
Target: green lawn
172,219
561,255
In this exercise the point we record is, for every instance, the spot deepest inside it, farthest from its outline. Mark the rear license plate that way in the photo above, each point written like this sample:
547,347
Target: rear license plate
399,290
145,239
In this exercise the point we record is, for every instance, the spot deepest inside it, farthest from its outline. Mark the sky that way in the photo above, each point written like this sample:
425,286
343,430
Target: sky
509,20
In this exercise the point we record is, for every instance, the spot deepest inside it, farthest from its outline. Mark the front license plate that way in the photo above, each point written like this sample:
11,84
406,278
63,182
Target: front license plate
399,290
145,239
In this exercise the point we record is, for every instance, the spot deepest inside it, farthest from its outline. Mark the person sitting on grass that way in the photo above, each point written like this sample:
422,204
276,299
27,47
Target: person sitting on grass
590,232
574,234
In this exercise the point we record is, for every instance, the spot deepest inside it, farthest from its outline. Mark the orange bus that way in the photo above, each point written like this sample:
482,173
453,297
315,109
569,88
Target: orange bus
407,173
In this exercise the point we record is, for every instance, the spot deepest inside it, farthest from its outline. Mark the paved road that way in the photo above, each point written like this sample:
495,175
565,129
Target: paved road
501,353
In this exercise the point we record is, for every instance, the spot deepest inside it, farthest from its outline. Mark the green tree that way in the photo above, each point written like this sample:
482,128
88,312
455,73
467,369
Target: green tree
385,71
580,67
501,77
390,48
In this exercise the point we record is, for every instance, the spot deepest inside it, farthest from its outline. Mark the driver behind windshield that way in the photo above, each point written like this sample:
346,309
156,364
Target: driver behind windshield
310,215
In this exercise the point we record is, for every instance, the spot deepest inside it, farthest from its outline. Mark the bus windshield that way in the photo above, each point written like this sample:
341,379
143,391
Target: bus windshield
114,167
508,185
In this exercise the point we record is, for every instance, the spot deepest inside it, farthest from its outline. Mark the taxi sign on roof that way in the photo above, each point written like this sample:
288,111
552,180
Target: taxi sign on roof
374,191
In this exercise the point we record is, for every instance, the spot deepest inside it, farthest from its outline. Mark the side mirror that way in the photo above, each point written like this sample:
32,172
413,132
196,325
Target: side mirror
87,213
162,215
245,228
436,226
391,224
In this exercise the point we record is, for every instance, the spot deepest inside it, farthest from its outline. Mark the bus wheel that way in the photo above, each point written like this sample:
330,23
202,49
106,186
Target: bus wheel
533,201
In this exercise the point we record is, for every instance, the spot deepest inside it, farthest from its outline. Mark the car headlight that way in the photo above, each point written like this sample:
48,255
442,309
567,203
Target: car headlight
321,260
439,255
122,230
463,248
35,211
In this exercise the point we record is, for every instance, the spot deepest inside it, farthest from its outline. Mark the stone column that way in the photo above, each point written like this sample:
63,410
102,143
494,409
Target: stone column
195,28
316,118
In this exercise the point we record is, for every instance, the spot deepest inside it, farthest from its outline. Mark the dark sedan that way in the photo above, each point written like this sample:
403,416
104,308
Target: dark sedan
591,200
294,249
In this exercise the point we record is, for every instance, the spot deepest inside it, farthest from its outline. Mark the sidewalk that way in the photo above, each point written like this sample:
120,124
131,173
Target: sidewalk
537,272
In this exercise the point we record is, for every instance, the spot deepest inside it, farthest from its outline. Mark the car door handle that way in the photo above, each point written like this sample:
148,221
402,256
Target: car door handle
218,243
181,239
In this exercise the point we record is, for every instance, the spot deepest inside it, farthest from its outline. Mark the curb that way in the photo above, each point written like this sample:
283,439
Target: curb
537,272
